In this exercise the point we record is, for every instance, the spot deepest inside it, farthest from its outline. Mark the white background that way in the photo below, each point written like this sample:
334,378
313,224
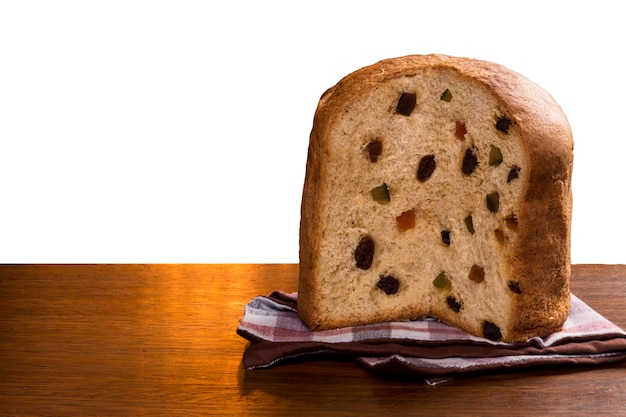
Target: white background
177,131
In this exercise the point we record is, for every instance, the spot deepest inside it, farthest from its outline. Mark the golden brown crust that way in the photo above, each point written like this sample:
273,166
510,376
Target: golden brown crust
540,261
309,234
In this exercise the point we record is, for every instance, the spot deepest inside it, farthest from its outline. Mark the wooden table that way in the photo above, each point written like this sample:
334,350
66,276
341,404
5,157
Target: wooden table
160,340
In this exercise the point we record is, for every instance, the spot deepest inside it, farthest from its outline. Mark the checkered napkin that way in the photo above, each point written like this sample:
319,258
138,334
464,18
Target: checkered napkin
423,347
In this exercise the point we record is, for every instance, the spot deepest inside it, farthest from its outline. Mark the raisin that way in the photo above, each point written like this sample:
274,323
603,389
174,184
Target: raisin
460,131
426,167
442,282
513,173
514,286
406,220
470,161
477,274
503,124
374,149
406,104
469,223
495,156
493,202
380,194
454,304
388,284
491,331
445,237
364,253
446,96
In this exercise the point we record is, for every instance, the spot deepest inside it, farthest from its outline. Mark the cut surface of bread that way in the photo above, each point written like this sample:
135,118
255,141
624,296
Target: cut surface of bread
437,186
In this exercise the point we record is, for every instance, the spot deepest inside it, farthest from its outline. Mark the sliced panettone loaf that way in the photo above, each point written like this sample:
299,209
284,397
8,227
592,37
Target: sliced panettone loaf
437,186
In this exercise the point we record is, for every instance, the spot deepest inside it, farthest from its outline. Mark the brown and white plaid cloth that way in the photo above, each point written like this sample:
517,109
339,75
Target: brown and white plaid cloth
424,347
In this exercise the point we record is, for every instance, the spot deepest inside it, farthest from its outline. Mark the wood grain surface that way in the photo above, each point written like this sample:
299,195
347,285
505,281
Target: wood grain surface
137,340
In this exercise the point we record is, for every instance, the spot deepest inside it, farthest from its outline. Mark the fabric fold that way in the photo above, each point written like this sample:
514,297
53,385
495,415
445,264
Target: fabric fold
423,347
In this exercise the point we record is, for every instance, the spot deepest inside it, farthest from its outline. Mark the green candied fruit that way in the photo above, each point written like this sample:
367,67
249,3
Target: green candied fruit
469,222
381,194
493,202
442,282
446,96
495,156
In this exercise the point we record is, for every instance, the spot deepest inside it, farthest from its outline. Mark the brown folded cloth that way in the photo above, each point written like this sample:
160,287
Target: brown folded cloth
424,347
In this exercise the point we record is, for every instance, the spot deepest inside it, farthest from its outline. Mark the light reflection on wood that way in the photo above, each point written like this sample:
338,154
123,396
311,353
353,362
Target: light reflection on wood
160,340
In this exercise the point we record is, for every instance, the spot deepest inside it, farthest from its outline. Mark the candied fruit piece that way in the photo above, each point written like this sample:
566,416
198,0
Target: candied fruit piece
406,104
460,131
454,304
477,274
499,236
511,222
387,283
426,167
513,173
442,282
445,237
364,253
470,161
374,149
446,96
491,331
514,286
469,223
380,194
493,202
406,220
503,124
495,156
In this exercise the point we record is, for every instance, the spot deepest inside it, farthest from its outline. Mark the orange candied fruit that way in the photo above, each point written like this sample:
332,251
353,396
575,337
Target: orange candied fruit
460,131
406,220
477,274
